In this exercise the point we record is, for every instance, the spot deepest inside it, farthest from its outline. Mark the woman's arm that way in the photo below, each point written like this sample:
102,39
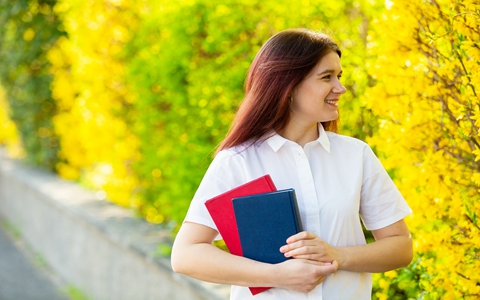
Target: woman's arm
392,249
194,255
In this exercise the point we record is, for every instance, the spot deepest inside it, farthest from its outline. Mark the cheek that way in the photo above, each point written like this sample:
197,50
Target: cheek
308,98
315,92
305,108
304,95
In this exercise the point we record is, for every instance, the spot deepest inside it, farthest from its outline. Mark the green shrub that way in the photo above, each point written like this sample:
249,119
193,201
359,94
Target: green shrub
189,61
28,29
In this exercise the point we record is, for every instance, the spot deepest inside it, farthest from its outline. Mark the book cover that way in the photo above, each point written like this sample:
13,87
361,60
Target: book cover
221,211
264,222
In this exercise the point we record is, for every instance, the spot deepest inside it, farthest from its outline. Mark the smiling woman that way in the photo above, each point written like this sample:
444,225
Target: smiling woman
285,128
275,74
315,98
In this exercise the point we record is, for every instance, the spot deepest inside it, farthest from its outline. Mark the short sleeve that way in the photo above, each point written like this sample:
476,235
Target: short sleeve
224,173
381,203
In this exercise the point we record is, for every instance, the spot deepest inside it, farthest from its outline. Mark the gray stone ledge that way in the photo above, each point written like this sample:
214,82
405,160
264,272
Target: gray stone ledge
92,244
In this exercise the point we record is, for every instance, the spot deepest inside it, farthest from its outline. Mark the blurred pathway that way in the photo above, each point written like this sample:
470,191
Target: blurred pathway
20,279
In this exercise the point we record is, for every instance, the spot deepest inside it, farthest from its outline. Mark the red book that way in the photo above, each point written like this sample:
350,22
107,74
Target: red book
222,213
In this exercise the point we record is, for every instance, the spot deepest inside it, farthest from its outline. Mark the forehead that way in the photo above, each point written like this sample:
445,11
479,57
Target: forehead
331,61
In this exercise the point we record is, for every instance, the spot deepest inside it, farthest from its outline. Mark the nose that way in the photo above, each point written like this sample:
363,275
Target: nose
339,88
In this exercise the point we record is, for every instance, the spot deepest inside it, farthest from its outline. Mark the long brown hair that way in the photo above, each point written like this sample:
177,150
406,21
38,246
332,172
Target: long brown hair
282,62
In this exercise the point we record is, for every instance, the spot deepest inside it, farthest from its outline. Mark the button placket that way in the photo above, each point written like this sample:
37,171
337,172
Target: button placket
308,190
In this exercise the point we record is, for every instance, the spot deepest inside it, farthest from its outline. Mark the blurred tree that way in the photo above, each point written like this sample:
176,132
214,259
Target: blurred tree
189,61
8,130
97,146
427,77
29,28
144,90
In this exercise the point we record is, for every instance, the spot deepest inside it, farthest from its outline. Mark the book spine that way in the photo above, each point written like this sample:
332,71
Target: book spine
296,212
270,182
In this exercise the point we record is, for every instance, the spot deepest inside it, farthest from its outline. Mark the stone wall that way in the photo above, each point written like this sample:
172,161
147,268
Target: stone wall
92,244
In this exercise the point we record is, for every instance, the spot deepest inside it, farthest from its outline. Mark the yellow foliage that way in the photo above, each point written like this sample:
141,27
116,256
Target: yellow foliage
97,146
8,130
426,96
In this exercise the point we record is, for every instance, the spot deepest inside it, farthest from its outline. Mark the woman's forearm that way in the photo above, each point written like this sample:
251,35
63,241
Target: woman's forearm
195,256
383,255
391,250
208,263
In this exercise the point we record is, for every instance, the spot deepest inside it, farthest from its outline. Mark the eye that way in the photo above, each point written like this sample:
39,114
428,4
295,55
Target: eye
326,77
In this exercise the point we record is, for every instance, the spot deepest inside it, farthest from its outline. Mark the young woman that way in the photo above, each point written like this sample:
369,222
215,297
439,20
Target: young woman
285,127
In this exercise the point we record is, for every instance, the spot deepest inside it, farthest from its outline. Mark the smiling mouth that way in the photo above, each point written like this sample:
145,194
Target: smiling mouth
333,102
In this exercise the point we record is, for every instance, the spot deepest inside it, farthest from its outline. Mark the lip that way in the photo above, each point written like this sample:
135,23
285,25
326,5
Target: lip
332,102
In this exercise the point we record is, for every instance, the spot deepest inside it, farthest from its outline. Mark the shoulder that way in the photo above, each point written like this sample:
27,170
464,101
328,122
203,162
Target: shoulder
225,157
230,158
238,152
353,149
346,142
227,170
233,152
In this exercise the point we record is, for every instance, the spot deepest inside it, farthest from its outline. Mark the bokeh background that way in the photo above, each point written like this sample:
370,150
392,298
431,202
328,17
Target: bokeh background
130,98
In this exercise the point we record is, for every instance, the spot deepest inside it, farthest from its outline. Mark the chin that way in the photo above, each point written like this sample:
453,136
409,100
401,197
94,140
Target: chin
333,118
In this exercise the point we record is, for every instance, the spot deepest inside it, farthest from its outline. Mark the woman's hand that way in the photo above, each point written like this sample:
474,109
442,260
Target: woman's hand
302,275
306,245
194,255
392,249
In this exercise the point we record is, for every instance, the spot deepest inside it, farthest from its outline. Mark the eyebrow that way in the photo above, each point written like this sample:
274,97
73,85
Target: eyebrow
328,71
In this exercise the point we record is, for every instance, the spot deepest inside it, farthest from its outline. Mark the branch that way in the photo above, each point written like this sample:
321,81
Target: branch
465,70
471,221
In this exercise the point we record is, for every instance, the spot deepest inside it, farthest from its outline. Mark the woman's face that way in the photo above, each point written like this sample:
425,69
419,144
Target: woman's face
315,98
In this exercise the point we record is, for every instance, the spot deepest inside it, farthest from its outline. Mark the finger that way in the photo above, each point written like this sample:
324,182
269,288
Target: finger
296,245
293,246
332,268
311,256
305,251
304,235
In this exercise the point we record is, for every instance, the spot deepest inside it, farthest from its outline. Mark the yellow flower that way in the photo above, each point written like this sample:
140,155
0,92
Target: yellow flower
425,132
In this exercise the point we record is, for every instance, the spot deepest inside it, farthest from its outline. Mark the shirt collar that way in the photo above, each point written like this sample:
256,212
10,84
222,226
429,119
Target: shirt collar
276,141
323,138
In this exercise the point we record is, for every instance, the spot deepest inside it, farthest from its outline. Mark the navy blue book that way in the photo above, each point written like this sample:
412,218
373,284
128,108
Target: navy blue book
264,222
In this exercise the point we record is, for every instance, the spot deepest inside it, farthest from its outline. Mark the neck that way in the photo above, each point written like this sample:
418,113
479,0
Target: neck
300,134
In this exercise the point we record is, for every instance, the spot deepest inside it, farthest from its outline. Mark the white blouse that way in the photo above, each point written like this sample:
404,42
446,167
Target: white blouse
337,179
